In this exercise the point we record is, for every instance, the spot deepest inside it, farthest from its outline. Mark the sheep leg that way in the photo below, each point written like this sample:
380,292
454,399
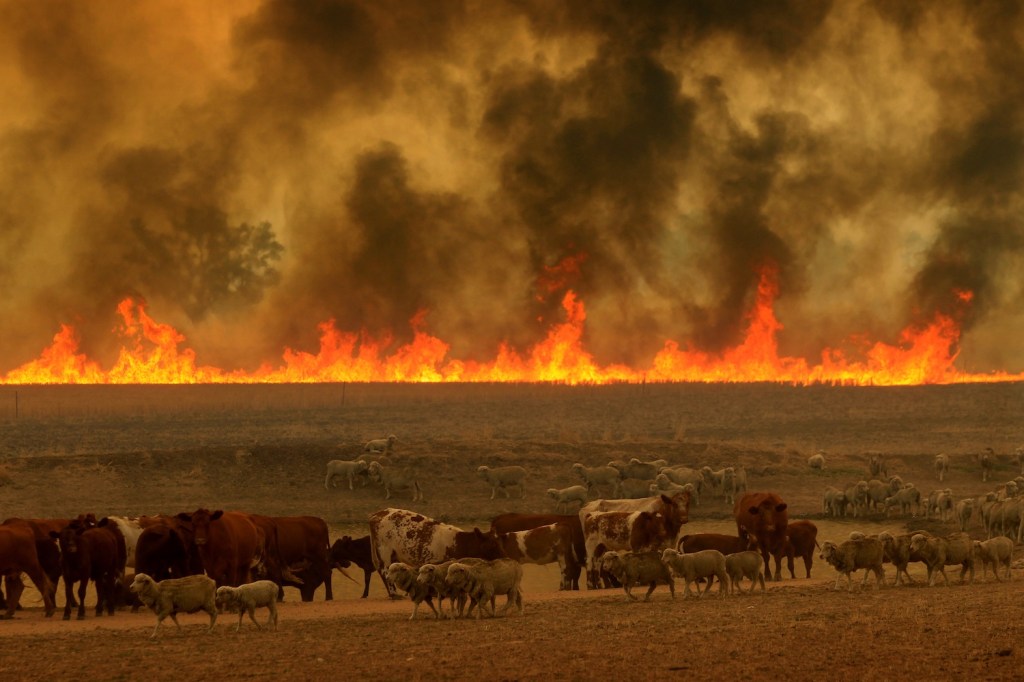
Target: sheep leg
213,619
650,590
174,617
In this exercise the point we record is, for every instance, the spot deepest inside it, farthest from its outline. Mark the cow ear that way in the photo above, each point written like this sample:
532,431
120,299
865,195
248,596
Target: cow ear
216,515
103,522
476,532
666,499
781,507
184,517
54,534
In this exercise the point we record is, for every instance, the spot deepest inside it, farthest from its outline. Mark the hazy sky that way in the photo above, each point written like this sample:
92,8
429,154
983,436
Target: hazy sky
251,169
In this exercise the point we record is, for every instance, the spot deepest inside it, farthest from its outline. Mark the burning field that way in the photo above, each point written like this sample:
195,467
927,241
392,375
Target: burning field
148,449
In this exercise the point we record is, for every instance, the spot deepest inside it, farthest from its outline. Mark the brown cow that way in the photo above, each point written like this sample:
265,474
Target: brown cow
545,545
91,553
228,542
296,547
347,551
46,549
801,540
513,522
726,544
18,555
764,516
166,550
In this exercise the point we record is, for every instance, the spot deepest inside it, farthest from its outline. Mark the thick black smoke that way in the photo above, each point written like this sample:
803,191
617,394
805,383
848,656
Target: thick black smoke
253,168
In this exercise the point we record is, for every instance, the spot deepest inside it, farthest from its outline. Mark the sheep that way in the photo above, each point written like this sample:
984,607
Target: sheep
593,477
635,488
905,499
741,479
956,548
433,577
941,466
877,492
987,460
396,479
638,568
483,581
564,496
996,551
1010,518
503,478
964,509
708,563
382,445
662,484
898,553
405,577
815,461
729,485
833,502
634,468
683,476
347,468
854,554
876,465
169,597
896,484
857,497
713,479
247,597
747,564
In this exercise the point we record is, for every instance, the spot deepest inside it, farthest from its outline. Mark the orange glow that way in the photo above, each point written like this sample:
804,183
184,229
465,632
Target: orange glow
154,353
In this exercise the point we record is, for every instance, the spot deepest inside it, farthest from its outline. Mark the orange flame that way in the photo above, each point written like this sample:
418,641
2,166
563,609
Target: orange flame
153,353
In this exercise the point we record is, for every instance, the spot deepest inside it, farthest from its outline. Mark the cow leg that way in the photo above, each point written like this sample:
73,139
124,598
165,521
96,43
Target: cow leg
69,596
82,586
367,573
766,555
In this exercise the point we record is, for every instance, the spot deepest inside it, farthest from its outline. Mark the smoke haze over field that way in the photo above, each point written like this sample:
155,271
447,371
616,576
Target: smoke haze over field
252,168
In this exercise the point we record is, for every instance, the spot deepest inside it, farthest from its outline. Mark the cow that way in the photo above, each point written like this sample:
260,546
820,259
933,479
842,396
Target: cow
46,549
672,509
296,553
512,522
764,516
166,550
228,543
94,553
640,531
400,535
544,545
801,540
18,555
347,551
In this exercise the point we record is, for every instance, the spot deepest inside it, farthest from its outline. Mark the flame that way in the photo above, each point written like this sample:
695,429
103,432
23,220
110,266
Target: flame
154,353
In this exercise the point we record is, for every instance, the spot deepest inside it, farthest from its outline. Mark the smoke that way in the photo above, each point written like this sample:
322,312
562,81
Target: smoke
269,165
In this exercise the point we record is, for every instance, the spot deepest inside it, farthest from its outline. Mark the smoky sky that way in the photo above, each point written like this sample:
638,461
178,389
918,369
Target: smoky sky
251,169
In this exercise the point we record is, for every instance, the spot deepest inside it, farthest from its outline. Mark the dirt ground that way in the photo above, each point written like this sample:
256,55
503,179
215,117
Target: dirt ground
133,450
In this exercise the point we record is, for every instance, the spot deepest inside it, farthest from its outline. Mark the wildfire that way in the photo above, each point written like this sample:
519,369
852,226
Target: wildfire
154,353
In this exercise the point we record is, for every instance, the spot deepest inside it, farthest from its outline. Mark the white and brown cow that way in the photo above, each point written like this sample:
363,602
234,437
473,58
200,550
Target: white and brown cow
544,545
631,530
412,538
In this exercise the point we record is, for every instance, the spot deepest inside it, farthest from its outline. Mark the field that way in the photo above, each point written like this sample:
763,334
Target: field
143,450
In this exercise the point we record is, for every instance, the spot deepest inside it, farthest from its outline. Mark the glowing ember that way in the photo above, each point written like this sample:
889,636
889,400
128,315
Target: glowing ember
153,353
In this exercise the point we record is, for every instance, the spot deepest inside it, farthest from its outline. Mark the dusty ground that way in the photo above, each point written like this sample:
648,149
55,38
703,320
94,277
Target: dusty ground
263,449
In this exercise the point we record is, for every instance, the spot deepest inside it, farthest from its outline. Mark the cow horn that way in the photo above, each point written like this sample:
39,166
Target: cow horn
342,571
286,574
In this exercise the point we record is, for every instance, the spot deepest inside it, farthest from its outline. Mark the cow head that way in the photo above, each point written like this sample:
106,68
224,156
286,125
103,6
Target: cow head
768,514
67,537
488,545
200,521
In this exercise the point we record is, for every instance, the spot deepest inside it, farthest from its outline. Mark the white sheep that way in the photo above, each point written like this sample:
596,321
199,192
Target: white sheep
406,578
815,461
564,496
169,597
383,445
503,478
347,468
742,565
483,581
997,552
247,598
707,563
593,477
942,465
638,568
396,480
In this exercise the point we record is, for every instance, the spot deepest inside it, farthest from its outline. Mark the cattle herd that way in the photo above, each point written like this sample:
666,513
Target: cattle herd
215,560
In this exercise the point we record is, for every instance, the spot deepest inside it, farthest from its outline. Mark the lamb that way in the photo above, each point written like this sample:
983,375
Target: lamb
956,548
169,597
246,598
997,551
942,465
347,468
746,564
854,554
708,563
381,445
564,496
404,577
396,479
833,502
483,581
964,509
815,461
987,460
593,477
638,568
898,553
503,478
